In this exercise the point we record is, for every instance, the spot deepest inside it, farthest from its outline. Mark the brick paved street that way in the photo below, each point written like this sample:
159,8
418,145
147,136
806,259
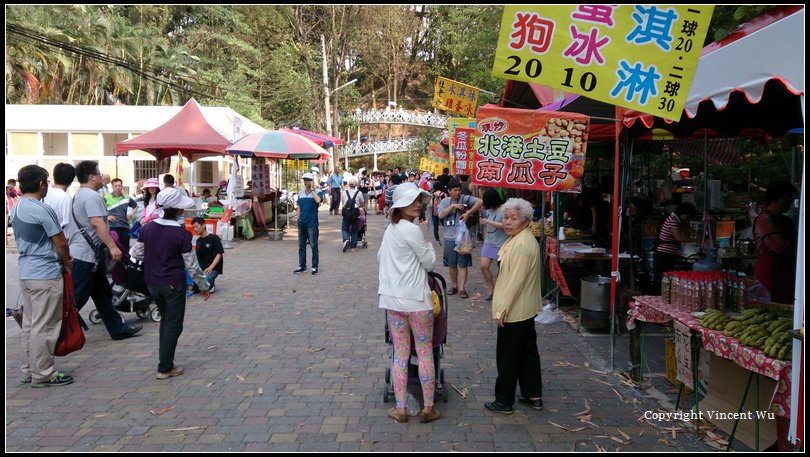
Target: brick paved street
279,362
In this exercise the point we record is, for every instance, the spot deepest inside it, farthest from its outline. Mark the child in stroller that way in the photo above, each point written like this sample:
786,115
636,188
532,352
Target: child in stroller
438,286
361,230
130,293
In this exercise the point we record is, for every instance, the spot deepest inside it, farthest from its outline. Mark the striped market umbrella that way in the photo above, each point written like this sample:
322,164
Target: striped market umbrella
277,144
318,138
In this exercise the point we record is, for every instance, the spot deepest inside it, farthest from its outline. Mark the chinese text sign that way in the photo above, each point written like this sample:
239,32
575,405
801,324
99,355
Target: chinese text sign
455,97
539,150
465,142
634,56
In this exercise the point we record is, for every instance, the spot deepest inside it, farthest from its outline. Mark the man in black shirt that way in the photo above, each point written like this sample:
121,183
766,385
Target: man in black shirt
444,178
209,251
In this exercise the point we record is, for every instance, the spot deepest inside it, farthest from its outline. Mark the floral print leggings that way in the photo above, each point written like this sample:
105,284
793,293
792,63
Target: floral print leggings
400,325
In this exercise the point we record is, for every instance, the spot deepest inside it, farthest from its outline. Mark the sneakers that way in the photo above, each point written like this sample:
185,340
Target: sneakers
426,416
498,408
533,404
189,293
57,379
25,379
397,415
176,371
129,332
212,290
488,297
345,245
314,270
300,270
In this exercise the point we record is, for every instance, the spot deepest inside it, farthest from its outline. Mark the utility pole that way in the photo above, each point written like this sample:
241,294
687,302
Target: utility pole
328,110
326,104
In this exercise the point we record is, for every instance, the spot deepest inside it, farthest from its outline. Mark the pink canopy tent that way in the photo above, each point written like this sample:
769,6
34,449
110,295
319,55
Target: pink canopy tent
188,132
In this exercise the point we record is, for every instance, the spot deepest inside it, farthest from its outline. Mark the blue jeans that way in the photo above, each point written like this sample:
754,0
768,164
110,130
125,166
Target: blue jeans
171,302
211,278
87,284
307,234
346,228
436,223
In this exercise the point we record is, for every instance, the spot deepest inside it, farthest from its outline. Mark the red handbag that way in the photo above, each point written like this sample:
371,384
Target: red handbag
71,337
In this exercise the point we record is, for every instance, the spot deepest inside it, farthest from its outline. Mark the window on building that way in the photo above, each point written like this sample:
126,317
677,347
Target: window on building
55,144
206,172
145,169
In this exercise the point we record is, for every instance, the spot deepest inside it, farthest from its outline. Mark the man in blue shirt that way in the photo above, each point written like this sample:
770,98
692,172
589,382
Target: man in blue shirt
307,207
335,182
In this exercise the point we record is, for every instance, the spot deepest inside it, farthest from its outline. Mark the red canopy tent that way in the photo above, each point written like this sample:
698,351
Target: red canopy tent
188,132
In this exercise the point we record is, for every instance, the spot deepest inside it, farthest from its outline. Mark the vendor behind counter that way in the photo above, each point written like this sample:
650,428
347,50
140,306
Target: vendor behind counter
589,213
673,233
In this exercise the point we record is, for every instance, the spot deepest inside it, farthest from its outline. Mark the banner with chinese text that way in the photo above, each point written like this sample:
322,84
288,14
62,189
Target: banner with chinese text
466,123
455,97
635,56
293,164
437,158
463,146
539,150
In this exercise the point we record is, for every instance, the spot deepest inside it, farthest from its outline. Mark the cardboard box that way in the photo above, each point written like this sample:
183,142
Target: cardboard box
726,388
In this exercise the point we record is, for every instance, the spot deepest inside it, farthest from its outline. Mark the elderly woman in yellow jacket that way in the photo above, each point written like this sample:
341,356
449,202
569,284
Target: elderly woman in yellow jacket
515,303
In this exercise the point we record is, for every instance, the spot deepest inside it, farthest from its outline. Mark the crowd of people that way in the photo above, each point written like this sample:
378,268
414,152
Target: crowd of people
63,238
81,238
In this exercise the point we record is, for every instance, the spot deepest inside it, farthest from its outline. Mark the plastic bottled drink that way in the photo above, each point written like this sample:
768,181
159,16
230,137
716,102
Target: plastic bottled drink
666,288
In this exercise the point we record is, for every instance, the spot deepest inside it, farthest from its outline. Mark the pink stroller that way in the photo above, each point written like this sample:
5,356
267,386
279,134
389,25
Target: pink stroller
361,230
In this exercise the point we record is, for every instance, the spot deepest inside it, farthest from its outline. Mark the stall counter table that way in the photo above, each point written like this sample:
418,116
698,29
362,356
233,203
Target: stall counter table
652,309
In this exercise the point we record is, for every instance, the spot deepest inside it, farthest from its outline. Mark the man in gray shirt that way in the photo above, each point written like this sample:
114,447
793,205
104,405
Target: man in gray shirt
43,256
90,280
454,210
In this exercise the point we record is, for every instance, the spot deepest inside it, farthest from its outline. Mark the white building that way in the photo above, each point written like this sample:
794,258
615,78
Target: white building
48,134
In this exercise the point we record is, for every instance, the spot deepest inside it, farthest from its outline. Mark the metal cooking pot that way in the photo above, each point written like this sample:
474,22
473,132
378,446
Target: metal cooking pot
595,294
746,247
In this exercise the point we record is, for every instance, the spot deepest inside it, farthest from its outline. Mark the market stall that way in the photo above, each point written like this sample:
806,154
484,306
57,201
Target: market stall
732,95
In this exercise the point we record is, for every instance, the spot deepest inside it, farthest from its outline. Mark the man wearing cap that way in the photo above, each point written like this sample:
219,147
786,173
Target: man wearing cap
307,207
454,210
165,247
89,220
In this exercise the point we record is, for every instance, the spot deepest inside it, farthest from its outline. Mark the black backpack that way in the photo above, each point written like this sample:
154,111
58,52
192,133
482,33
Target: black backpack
350,211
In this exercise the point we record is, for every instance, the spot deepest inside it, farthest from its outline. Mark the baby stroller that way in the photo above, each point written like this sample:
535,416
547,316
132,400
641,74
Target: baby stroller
439,286
361,230
130,294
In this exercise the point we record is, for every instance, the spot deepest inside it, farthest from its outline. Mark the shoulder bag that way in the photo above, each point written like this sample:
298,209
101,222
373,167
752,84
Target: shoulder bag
71,337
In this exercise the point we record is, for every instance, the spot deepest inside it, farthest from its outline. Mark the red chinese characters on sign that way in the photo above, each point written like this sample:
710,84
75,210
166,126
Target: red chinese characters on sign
463,141
531,29
542,150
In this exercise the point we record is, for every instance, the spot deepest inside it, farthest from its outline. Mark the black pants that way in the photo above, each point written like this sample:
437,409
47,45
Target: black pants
517,360
334,206
171,301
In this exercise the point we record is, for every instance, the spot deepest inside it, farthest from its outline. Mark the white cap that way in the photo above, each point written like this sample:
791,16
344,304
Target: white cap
308,176
406,193
353,181
171,197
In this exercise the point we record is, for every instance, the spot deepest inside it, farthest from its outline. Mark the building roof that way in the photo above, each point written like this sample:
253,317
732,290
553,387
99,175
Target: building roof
114,119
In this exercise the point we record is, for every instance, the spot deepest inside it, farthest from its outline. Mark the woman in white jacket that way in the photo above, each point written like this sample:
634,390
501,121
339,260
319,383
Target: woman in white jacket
404,258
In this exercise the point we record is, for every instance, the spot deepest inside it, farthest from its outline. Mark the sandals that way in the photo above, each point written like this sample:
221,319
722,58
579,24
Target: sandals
463,294
397,415
452,291
426,416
